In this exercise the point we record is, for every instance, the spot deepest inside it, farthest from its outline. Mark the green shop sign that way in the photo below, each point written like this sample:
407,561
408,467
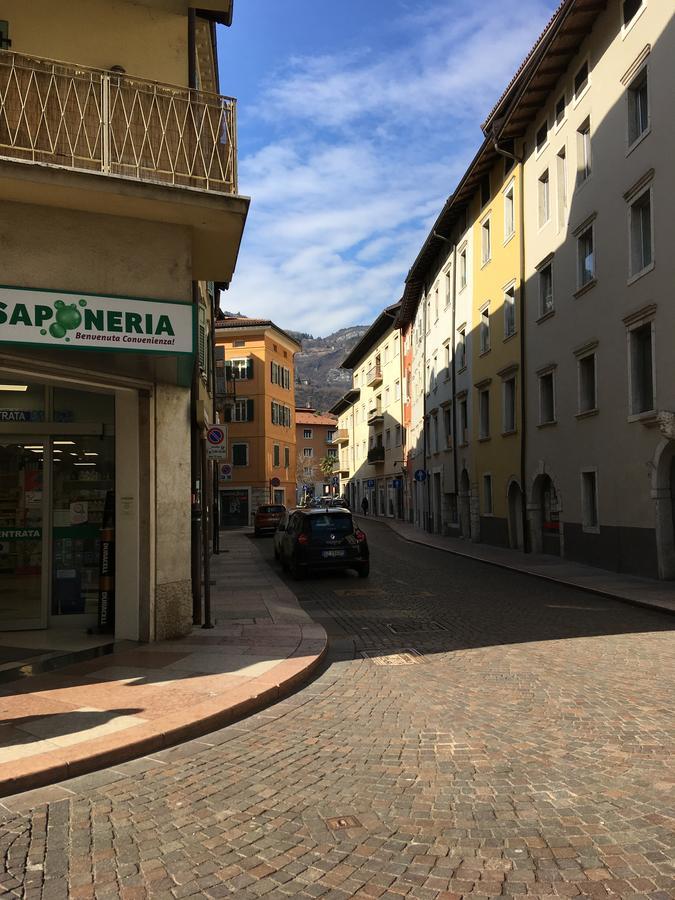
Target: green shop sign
62,319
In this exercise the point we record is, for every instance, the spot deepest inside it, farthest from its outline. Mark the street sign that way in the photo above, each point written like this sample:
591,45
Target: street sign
275,482
216,442
371,482
225,472
335,481
396,482
420,475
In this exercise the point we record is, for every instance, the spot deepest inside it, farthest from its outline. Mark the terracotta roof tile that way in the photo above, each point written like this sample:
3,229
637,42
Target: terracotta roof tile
303,418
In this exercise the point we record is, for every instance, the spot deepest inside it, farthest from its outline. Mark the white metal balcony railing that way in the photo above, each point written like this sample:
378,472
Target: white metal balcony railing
96,120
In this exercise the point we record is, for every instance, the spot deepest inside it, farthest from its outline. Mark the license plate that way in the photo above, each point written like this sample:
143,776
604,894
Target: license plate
332,553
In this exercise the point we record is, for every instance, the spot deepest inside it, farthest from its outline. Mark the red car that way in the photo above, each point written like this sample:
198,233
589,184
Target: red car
267,517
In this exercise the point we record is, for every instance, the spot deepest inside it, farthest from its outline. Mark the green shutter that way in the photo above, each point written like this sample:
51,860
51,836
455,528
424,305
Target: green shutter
276,456
249,410
227,413
249,367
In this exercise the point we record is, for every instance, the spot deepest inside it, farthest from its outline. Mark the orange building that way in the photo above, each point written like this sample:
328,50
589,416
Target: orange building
315,440
256,401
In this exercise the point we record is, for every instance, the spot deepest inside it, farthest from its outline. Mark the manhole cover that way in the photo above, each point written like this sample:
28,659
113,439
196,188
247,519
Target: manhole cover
402,626
407,656
338,822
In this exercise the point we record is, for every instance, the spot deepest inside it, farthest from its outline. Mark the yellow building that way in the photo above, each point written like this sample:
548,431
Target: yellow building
119,215
497,234
255,374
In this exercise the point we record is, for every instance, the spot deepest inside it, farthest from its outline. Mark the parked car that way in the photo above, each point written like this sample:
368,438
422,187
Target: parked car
339,503
322,539
281,530
267,517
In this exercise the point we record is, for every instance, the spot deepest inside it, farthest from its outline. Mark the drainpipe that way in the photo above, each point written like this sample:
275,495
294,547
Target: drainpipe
523,410
197,486
424,415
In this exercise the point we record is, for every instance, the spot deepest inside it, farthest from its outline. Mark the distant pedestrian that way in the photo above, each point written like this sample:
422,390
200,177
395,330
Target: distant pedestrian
364,506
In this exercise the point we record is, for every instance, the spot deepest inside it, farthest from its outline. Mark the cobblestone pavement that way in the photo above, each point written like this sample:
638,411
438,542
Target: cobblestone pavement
501,736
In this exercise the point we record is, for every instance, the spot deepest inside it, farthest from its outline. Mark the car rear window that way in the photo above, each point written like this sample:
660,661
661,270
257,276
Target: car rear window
271,509
335,524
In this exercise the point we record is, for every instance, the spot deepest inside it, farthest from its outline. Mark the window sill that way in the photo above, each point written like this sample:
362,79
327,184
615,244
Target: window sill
485,352
649,418
581,183
547,424
584,289
509,238
577,98
482,440
587,413
638,140
461,369
590,529
626,29
509,337
486,262
463,444
638,275
510,433
544,316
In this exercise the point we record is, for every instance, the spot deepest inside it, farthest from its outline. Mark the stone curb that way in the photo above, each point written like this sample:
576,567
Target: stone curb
278,682
632,601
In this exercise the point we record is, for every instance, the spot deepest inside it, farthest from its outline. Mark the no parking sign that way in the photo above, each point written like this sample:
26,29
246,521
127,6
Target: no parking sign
216,442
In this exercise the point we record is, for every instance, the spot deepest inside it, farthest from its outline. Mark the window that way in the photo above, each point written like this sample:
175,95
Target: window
641,233
281,415
509,218
546,399
464,420
485,330
398,435
544,199
448,287
241,411
5,42
436,304
239,343
486,246
638,107
461,349
510,311
330,435
397,390
242,369
546,289
287,456
447,424
542,137
307,451
202,341
561,172
332,453
356,379
630,10
276,458
581,81
560,110
509,417
587,383
307,471
589,500
386,397
387,438
484,413
641,350
239,454
585,256
487,495
448,359
462,269
281,375
584,151
307,434
485,190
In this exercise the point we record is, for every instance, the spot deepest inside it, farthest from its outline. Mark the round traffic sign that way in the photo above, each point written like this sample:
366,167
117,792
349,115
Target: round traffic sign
225,470
215,436
275,482
420,475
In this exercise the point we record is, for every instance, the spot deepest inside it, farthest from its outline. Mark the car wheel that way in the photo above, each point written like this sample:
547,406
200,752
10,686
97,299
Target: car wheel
364,570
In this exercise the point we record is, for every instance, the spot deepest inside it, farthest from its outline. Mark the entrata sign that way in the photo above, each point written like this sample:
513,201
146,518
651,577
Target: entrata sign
87,321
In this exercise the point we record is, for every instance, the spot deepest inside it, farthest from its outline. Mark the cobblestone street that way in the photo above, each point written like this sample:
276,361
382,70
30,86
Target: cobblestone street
474,733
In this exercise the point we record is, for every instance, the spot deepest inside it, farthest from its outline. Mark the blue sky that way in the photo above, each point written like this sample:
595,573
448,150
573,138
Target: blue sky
356,120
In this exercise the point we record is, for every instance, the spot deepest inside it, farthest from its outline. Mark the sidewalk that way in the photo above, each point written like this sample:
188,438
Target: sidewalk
144,697
627,588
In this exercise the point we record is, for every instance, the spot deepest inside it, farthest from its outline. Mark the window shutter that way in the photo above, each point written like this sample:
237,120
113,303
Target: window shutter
249,410
227,413
249,367
202,339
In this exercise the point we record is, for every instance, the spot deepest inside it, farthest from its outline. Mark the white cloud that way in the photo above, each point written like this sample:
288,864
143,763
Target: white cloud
361,151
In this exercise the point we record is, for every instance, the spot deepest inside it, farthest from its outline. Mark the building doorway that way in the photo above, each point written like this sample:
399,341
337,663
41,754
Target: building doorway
665,509
545,516
515,504
234,507
465,504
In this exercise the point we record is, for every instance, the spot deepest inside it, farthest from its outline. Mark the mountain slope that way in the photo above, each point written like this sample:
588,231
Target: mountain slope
319,380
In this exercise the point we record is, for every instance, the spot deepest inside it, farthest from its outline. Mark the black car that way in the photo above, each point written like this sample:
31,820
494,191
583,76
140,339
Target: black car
323,539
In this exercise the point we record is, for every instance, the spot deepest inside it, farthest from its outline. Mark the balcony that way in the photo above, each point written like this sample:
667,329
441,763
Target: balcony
177,146
341,436
376,455
374,376
375,416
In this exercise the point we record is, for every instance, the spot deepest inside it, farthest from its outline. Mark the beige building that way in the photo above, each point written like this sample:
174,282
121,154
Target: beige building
595,108
370,430
119,218
315,438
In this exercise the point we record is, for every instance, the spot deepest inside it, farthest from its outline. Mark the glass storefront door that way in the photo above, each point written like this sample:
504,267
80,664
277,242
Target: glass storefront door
22,503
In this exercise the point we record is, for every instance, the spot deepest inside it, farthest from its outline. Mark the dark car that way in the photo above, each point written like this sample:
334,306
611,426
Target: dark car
339,503
267,517
323,539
